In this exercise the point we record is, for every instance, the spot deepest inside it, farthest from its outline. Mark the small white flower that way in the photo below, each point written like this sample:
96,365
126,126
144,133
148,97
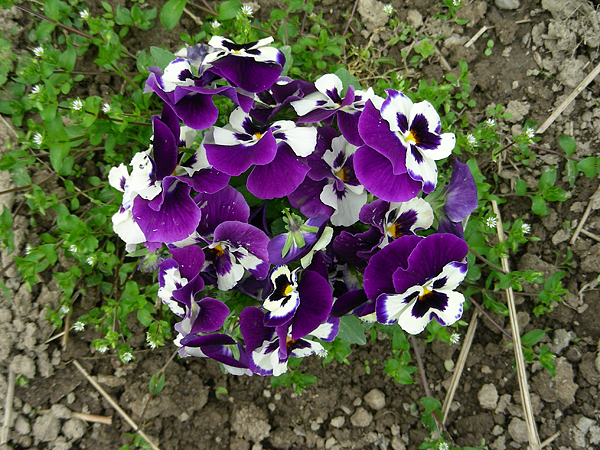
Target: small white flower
106,108
444,445
38,51
102,349
151,342
471,140
530,133
455,3
491,221
215,24
73,248
388,9
526,228
90,260
64,310
247,10
36,89
455,338
79,326
85,14
127,356
38,139
490,122
27,249
77,105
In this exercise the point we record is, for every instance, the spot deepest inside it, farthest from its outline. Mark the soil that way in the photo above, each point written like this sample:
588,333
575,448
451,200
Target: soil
541,51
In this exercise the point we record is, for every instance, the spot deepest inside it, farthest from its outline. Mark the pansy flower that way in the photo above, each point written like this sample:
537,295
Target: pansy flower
403,142
253,67
269,348
331,186
327,101
413,281
237,247
284,91
303,303
276,150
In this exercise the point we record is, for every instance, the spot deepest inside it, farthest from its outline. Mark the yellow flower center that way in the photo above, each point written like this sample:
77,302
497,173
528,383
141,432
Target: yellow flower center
218,250
412,137
342,174
394,230
258,135
426,293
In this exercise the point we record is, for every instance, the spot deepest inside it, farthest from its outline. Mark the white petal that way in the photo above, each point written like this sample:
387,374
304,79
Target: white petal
452,275
323,242
172,75
247,259
417,204
311,102
425,171
323,331
229,280
394,104
329,82
313,347
454,309
444,149
426,109
283,307
394,305
302,140
117,175
347,208
129,231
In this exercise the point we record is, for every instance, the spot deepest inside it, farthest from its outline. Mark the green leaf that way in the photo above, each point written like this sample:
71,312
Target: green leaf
157,383
547,179
171,12
588,166
532,338
567,143
347,79
51,8
521,187
144,316
228,10
352,330
538,205
162,57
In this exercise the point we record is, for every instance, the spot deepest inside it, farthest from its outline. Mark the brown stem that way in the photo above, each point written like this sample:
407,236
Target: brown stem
489,263
478,306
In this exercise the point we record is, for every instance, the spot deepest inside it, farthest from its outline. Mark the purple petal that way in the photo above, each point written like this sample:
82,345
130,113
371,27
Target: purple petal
379,273
428,259
246,73
192,340
207,180
375,173
236,159
241,234
197,111
165,148
253,329
376,133
225,205
315,304
211,317
461,193
307,198
348,124
278,178
190,260
348,302
176,219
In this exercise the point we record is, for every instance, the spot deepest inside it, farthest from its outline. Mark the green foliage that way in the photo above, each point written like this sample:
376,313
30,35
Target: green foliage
398,367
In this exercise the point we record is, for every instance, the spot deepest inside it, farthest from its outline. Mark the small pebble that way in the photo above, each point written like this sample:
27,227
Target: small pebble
375,399
338,422
508,4
361,418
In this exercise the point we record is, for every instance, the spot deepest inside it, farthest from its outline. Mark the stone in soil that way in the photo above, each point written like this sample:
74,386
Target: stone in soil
560,388
46,428
508,4
250,423
361,418
488,396
517,429
375,399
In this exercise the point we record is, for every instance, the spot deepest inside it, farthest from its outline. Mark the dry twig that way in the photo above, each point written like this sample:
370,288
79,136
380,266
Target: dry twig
532,433
558,111
8,409
460,365
115,405
594,203
477,36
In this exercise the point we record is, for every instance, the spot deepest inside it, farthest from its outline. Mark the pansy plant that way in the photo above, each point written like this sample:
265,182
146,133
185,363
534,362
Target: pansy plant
252,288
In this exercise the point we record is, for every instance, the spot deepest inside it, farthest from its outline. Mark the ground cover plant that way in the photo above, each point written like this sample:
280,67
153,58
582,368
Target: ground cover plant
273,203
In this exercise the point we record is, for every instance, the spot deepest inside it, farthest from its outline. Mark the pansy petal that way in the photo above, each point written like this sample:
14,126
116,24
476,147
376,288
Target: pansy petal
306,198
253,329
189,260
348,124
278,178
327,331
461,193
347,302
177,218
165,149
197,111
247,73
390,307
244,235
422,169
315,304
207,180
375,173
451,276
225,205
117,177
211,316
453,310
236,159
378,274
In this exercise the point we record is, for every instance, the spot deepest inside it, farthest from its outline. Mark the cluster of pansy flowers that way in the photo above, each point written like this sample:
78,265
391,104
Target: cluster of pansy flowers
355,169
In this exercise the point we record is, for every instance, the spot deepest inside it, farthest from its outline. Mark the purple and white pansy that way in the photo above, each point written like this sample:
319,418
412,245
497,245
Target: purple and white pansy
354,175
413,281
